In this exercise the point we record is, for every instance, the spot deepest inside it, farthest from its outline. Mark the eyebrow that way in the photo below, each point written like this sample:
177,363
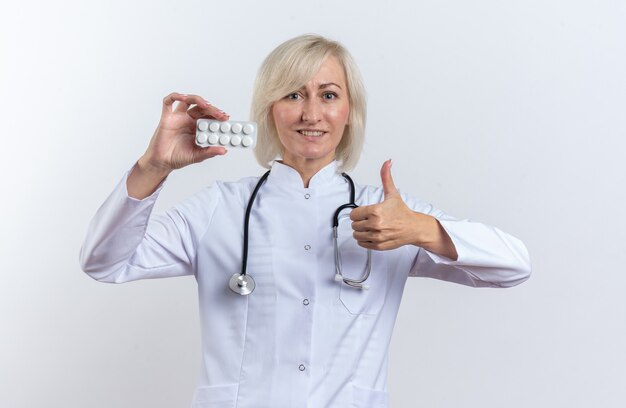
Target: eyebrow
326,85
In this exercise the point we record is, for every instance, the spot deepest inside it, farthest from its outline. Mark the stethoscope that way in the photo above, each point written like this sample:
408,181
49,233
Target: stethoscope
243,284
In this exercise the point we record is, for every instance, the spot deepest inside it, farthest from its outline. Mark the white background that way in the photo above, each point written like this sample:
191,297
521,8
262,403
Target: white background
511,113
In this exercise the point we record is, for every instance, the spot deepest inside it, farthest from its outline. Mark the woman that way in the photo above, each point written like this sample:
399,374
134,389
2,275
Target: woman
301,338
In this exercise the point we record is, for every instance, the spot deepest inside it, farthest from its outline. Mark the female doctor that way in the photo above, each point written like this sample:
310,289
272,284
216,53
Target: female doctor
302,338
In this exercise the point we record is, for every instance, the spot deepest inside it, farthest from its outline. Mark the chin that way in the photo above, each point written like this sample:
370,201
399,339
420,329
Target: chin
318,156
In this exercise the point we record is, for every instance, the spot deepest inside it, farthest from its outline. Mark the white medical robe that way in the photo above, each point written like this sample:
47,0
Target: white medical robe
301,339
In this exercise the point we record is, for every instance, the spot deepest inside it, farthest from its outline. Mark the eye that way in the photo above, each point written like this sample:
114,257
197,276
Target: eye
329,96
294,96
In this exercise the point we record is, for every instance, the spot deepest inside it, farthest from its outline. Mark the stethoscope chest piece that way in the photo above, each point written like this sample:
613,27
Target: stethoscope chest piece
241,284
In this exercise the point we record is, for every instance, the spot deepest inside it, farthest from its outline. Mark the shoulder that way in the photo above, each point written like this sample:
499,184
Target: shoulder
232,193
367,195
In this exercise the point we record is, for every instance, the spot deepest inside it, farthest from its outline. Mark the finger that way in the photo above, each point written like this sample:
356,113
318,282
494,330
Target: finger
361,226
189,100
207,109
198,112
361,237
377,246
214,112
360,213
212,151
377,242
367,245
169,100
388,185
368,236
182,106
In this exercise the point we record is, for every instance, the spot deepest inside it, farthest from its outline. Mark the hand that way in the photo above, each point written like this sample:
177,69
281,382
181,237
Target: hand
390,224
173,144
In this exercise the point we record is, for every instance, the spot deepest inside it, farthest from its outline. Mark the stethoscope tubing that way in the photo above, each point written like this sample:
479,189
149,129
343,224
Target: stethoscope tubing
246,222
243,284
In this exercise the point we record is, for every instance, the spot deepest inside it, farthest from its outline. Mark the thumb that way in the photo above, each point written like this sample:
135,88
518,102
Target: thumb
209,152
388,186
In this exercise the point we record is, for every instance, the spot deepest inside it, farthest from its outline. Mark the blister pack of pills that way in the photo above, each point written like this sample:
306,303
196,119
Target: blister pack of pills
228,134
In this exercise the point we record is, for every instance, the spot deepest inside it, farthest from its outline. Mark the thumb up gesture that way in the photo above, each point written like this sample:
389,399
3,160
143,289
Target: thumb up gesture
391,224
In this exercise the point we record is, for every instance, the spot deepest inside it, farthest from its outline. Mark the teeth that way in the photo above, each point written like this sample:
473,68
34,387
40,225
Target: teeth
311,132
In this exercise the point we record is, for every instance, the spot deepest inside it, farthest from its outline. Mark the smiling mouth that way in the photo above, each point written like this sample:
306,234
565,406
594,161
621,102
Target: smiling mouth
314,133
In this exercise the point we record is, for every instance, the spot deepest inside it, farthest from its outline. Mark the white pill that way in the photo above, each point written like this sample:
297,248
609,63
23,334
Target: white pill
213,138
225,127
235,140
247,141
248,129
202,126
236,128
214,126
224,139
202,138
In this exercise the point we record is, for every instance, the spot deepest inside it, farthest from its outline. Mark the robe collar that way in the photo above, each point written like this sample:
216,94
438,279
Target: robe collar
288,176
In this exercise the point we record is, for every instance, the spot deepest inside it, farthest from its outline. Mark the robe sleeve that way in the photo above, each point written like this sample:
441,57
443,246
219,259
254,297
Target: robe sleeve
487,256
126,242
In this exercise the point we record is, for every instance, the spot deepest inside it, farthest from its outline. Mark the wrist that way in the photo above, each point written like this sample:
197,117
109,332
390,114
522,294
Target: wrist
424,229
143,180
151,169
435,239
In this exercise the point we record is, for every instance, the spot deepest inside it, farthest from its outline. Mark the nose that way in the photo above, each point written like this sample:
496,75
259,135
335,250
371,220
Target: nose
311,111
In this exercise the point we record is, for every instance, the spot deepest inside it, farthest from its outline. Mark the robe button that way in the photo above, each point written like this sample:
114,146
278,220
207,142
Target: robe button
305,302
307,196
307,247
301,367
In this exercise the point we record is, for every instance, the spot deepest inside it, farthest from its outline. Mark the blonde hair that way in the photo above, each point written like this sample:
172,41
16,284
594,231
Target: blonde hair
288,68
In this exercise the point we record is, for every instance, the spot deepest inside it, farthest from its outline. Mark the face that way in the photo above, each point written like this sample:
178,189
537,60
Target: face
310,121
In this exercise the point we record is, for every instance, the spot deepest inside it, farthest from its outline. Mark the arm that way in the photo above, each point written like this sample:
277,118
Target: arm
124,242
455,250
487,256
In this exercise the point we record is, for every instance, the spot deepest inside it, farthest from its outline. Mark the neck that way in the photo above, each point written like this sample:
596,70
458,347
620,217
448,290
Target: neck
307,169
